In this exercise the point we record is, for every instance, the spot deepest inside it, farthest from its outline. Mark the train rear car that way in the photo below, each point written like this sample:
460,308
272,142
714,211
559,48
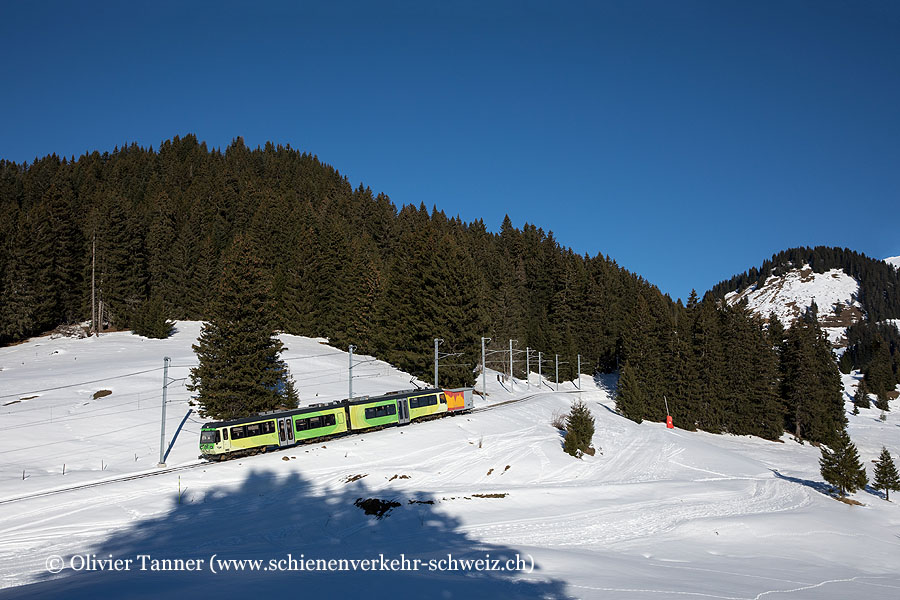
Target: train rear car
459,399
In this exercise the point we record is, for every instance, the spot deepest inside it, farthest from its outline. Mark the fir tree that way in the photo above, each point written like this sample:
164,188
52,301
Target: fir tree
240,372
630,400
150,320
811,385
886,476
861,399
579,429
841,467
879,375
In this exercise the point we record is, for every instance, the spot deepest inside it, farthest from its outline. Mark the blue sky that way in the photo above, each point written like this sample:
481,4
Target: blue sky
686,140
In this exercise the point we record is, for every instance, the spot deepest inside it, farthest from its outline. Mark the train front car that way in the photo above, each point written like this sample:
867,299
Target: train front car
211,438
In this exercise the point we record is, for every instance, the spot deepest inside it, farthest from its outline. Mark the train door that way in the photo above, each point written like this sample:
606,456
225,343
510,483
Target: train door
289,425
403,411
284,425
226,442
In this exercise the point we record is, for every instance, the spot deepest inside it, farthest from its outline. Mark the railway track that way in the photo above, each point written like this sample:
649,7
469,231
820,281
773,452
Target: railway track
205,463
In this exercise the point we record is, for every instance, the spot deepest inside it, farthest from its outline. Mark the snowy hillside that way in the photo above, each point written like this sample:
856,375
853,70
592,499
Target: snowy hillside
893,260
656,513
790,295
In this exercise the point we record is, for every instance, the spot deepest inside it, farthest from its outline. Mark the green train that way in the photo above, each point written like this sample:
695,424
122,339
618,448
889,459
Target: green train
280,429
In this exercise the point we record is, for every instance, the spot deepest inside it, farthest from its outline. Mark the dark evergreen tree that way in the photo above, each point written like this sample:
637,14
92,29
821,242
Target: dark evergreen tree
709,356
776,333
240,372
150,320
886,476
811,385
630,399
750,388
579,430
879,376
861,399
840,465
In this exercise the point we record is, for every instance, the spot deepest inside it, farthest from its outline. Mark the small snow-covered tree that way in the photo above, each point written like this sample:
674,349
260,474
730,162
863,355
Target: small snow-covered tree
841,467
886,476
579,429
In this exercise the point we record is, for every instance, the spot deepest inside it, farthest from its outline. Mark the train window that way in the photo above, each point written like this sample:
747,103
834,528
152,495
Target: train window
253,430
290,431
302,425
237,433
225,434
375,412
328,420
315,423
218,439
414,403
443,399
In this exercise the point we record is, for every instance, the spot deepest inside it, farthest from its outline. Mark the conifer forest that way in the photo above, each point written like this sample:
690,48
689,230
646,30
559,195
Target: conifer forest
152,229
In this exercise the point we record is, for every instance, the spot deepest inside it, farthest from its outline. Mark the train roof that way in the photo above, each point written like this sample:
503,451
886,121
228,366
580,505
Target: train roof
277,414
393,396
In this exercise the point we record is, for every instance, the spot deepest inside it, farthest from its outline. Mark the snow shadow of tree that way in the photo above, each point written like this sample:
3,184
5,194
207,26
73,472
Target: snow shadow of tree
819,486
271,516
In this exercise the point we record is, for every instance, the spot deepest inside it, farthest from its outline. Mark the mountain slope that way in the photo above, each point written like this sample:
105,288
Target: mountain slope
790,295
847,287
657,513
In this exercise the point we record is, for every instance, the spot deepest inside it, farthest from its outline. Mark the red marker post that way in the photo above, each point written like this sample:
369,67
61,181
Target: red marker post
669,424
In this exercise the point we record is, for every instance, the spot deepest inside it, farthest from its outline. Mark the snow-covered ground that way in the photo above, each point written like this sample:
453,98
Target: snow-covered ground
790,295
656,513
893,260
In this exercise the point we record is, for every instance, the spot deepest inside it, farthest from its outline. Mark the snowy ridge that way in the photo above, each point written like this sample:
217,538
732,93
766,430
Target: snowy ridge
790,295
894,261
657,513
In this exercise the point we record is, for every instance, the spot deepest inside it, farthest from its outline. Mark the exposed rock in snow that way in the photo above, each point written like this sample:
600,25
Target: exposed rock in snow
790,295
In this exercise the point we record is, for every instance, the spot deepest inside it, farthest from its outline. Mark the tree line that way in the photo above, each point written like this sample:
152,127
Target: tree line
154,230
150,229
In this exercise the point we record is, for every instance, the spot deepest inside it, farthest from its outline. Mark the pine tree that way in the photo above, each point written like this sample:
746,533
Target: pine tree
776,332
630,400
579,429
879,374
709,357
150,320
886,476
240,372
811,385
841,467
861,399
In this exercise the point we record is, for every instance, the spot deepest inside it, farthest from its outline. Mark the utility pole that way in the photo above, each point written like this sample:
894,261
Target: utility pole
578,373
511,363
483,371
162,426
557,372
528,367
93,286
350,379
540,377
437,342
